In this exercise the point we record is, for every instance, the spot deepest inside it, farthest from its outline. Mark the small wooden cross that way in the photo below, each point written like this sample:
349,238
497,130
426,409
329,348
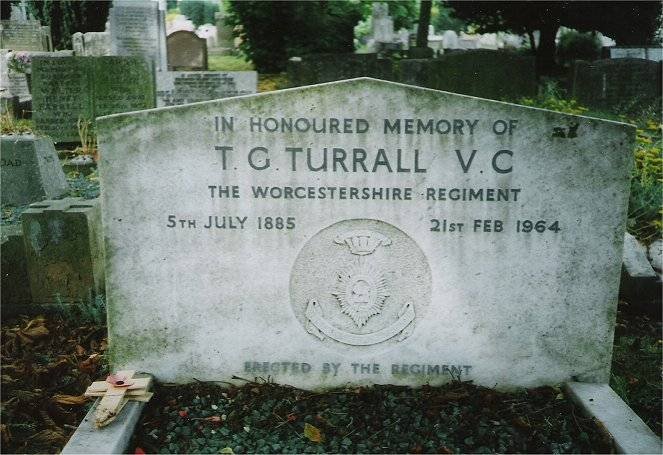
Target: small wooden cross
114,398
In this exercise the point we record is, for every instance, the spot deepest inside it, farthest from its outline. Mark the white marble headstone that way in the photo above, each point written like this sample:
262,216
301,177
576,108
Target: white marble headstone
363,232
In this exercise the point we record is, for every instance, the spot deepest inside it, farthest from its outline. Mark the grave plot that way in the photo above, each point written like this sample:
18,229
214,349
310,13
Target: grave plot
363,232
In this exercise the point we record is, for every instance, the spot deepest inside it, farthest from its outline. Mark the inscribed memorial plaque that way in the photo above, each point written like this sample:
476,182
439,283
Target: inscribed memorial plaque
363,232
183,87
21,36
66,89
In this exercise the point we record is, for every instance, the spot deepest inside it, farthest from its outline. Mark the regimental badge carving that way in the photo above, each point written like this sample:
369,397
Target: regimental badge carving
361,290
361,293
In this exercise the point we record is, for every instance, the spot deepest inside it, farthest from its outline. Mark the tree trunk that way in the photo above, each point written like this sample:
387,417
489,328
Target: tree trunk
424,22
532,41
545,53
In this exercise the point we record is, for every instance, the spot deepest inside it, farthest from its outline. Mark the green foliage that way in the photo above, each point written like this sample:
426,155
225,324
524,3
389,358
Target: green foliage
574,45
550,97
272,32
199,11
228,63
90,311
443,18
10,125
65,17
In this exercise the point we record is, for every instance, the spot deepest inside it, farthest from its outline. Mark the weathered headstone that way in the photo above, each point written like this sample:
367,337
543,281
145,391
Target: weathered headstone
15,284
363,232
31,170
64,250
67,89
382,23
137,29
91,44
16,83
183,87
186,51
21,36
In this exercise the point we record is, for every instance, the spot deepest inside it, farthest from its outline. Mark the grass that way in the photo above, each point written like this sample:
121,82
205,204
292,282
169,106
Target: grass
228,63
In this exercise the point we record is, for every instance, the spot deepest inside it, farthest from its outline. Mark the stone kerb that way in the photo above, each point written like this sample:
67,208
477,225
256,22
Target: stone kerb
30,170
363,232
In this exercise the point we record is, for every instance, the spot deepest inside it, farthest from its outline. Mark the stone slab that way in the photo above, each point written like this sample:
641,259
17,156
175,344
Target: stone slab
228,254
629,432
21,35
114,438
134,29
654,53
186,51
67,89
63,242
30,170
15,284
183,87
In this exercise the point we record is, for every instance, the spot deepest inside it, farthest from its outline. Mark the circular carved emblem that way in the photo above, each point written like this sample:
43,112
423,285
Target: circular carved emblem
360,282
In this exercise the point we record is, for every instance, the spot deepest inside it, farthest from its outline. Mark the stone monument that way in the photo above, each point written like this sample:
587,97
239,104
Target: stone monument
137,28
68,89
31,170
363,232
183,87
186,51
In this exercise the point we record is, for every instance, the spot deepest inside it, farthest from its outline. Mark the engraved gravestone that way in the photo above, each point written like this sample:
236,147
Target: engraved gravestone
137,28
363,232
183,87
68,89
31,170
21,35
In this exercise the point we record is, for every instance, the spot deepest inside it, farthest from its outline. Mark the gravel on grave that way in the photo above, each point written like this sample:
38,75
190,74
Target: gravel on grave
459,417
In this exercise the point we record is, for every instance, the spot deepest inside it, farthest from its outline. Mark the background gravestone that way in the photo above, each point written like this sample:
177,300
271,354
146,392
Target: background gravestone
67,89
64,250
21,36
183,87
186,51
363,232
621,83
137,29
15,284
30,170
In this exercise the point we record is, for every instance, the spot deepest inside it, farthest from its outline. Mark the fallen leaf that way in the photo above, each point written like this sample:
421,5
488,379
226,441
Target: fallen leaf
139,451
214,419
312,433
227,450
49,437
184,414
80,350
291,417
72,400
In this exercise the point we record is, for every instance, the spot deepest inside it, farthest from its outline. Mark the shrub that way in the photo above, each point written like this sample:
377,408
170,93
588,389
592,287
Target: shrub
272,32
574,45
